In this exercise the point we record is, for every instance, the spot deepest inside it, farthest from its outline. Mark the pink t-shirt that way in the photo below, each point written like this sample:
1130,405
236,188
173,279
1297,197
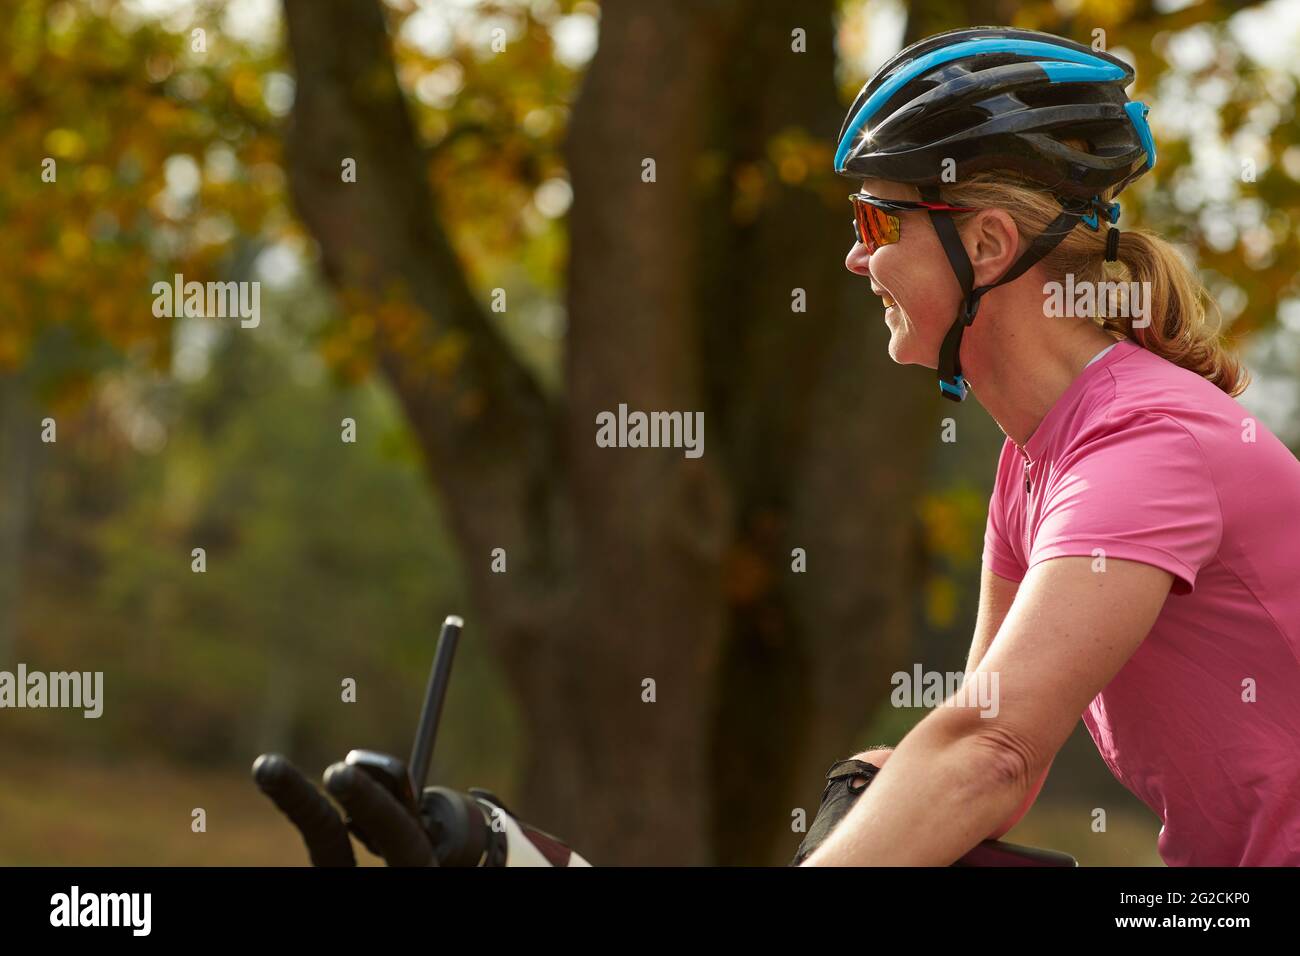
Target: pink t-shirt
1150,462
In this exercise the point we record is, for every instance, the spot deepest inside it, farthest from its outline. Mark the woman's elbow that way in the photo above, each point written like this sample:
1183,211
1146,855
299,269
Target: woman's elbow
1021,810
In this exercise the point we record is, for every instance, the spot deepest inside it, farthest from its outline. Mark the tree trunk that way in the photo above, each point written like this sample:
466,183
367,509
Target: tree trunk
806,400
683,689
19,427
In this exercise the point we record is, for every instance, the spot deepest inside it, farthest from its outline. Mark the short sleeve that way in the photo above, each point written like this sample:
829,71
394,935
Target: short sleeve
999,555
1141,490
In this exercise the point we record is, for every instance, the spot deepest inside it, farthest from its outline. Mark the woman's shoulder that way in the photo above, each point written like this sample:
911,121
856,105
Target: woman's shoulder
1142,378
1155,409
1147,389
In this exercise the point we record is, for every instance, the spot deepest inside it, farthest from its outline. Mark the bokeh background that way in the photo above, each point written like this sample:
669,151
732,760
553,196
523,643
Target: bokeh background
498,273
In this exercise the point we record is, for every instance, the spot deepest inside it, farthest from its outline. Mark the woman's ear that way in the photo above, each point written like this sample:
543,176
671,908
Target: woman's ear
993,244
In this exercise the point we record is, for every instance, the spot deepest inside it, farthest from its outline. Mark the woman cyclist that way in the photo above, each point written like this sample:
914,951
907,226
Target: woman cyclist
1141,563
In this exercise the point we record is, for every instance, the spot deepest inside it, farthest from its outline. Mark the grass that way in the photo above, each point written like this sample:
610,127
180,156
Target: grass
139,814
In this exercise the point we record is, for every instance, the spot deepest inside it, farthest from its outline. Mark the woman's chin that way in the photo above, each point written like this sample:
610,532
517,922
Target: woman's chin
902,342
898,350
905,350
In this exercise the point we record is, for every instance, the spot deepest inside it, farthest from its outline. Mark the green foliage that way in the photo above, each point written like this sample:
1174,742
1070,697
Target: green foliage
324,560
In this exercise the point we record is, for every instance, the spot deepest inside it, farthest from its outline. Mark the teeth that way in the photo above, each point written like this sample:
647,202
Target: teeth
889,303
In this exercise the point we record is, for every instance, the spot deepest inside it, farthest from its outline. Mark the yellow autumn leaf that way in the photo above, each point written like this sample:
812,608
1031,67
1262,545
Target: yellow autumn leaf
65,144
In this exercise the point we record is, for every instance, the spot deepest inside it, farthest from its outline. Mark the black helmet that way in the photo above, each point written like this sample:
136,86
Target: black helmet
998,98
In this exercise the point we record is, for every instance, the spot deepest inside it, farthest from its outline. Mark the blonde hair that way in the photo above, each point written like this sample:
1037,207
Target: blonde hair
1178,331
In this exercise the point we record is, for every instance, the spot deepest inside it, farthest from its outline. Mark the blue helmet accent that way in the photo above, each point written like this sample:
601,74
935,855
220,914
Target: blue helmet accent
956,51
1137,113
1082,72
1099,208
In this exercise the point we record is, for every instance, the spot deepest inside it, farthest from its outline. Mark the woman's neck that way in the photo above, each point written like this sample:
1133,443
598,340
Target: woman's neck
1021,362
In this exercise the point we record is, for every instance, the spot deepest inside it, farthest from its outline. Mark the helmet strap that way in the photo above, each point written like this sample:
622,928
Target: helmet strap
952,383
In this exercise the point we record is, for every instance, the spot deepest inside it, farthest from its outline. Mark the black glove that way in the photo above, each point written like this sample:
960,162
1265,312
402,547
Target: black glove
845,782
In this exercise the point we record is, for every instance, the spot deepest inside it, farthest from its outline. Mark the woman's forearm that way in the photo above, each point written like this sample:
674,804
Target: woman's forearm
941,794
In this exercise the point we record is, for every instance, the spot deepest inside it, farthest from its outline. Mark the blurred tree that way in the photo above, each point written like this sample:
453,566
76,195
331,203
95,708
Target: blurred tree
626,566
17,451
324,560
127,158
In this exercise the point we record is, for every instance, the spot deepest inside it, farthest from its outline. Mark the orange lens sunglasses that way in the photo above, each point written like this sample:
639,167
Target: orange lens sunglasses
876,224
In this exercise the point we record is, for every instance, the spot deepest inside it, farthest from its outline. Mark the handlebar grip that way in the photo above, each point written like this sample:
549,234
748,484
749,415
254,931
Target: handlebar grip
384,825
306,807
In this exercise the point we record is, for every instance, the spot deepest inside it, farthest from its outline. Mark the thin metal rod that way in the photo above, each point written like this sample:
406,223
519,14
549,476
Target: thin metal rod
427,731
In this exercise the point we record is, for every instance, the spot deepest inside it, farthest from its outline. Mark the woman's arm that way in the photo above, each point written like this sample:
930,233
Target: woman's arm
996,597
958,775
997,594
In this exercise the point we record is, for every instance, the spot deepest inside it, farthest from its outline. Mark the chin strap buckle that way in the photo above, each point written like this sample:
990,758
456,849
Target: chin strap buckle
955,390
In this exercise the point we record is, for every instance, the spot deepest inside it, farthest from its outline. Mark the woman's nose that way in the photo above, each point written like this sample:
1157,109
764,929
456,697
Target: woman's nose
858,259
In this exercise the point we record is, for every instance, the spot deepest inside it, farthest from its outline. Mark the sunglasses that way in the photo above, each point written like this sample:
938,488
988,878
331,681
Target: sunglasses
875,223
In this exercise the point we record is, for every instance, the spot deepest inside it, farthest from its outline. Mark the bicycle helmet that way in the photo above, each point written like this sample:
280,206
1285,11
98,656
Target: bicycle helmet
999,98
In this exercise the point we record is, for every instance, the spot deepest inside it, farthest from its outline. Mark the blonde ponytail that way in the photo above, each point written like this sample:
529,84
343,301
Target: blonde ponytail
1179,331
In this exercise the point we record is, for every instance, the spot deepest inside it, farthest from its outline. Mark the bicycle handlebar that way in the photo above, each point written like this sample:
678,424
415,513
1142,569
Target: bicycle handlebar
387,828
997,853
448,828
318,822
